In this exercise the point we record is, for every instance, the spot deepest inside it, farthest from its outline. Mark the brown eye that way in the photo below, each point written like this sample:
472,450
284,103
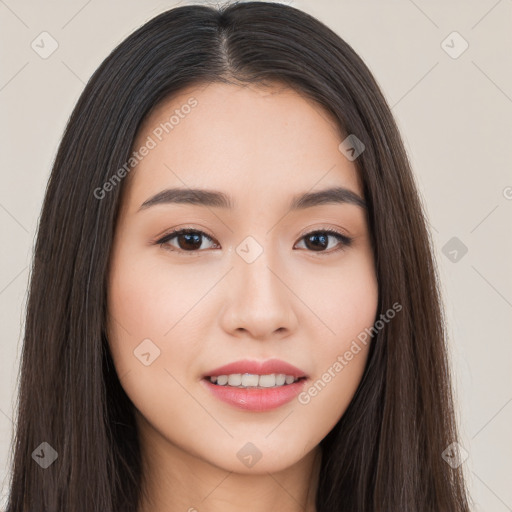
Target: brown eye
188,240
318,241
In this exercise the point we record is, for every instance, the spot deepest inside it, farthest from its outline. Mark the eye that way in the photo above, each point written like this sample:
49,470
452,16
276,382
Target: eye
190,240
318,240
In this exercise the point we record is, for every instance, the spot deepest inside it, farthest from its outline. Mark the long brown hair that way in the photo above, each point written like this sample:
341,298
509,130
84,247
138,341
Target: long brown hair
385,453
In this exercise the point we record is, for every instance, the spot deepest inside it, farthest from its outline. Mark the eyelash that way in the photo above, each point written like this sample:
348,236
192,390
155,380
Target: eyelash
344,240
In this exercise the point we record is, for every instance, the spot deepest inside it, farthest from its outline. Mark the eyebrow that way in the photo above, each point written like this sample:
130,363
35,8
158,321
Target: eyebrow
213,198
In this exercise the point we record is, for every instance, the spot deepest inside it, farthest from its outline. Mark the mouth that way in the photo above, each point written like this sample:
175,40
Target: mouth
255,385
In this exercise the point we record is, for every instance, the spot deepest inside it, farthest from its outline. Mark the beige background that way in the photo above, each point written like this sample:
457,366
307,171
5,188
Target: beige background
455,115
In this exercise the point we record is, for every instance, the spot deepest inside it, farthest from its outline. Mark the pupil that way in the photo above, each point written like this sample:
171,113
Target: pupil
194,243
324,243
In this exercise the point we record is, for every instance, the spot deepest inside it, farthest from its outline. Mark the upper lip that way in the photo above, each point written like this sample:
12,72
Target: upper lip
267,367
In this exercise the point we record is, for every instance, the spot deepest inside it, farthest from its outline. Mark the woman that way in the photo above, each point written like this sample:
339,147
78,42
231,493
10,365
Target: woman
233,302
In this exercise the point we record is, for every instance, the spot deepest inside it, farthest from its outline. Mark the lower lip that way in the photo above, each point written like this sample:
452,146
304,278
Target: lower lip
252,399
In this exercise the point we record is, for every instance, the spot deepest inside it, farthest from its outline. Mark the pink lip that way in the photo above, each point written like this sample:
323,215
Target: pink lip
257,368
255,399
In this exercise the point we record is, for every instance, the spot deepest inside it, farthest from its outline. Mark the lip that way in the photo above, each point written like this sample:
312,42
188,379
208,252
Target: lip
257,368
256,400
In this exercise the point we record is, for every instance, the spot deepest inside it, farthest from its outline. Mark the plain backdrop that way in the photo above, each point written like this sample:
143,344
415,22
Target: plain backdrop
445,69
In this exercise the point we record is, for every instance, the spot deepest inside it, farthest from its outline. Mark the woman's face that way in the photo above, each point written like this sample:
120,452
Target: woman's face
259,278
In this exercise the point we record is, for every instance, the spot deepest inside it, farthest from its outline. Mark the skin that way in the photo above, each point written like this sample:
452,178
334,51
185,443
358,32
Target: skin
203,309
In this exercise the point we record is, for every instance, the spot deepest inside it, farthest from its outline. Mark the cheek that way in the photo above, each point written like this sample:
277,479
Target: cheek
150,328
344,300
156,321
136,297
346,304
149,300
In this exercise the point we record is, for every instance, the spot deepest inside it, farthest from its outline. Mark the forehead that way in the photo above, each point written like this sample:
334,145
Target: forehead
261,139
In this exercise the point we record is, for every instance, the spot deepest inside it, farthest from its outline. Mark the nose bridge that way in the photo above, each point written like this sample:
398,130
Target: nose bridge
259,303
255,266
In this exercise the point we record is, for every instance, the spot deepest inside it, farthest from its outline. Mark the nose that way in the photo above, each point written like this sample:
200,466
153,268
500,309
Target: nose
259,301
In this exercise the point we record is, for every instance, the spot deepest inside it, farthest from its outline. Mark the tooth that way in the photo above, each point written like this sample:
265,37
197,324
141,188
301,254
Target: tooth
280,379
235,379
222,380
267,381
250,380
